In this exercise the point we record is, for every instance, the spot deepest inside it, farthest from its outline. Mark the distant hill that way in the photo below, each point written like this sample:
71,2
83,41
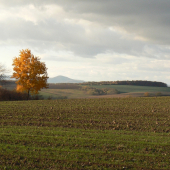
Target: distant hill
63,79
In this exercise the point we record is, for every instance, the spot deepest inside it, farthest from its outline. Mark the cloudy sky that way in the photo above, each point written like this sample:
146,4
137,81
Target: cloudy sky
91,40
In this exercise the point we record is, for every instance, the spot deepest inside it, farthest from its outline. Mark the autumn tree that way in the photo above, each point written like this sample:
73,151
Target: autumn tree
31,74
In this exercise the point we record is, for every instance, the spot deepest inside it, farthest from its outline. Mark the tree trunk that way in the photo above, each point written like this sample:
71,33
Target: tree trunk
28,94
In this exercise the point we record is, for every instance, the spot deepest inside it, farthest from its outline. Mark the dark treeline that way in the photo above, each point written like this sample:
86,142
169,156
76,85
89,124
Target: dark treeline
12,84
13,95
126,82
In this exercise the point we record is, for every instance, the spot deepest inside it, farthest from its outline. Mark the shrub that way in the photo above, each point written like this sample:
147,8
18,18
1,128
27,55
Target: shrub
37,97
158,94
95,91
12,95
129,96
146,94
62,97
112,91
7,95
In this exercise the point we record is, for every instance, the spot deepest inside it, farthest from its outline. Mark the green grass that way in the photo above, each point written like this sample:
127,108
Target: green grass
51,147
130,88
117,133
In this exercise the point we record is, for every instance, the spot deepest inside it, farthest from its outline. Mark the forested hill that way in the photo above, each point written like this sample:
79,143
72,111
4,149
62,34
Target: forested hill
126,82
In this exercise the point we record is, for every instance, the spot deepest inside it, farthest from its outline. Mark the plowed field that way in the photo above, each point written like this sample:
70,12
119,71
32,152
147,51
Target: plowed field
108,133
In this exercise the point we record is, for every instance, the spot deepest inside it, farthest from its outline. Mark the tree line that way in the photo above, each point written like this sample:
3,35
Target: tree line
126,82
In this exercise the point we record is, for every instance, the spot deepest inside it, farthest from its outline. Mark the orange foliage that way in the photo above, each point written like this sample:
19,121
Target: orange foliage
19,88
31,74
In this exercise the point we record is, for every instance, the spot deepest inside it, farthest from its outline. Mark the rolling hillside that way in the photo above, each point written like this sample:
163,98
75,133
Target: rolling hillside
125,91
133,88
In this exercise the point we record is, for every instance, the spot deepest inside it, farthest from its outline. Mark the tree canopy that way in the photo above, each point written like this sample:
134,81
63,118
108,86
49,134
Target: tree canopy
31,74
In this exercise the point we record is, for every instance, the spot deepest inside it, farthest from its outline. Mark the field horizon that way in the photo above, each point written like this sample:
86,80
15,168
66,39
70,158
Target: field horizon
125,91
73,90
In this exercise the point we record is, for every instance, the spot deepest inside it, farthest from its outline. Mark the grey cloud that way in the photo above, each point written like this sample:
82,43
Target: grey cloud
48,31
148,19
72,37
51,34
14,3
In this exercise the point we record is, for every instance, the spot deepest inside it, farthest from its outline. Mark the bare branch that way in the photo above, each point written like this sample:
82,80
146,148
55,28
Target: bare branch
3,70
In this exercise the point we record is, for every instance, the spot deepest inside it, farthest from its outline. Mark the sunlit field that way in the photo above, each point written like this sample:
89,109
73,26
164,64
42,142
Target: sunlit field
125,91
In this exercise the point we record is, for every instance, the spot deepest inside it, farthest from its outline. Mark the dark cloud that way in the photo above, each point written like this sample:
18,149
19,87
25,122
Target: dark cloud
72,37
149,19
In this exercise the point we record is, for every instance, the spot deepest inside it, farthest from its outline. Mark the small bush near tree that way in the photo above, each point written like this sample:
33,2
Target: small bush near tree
37,97
146,94
11,95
